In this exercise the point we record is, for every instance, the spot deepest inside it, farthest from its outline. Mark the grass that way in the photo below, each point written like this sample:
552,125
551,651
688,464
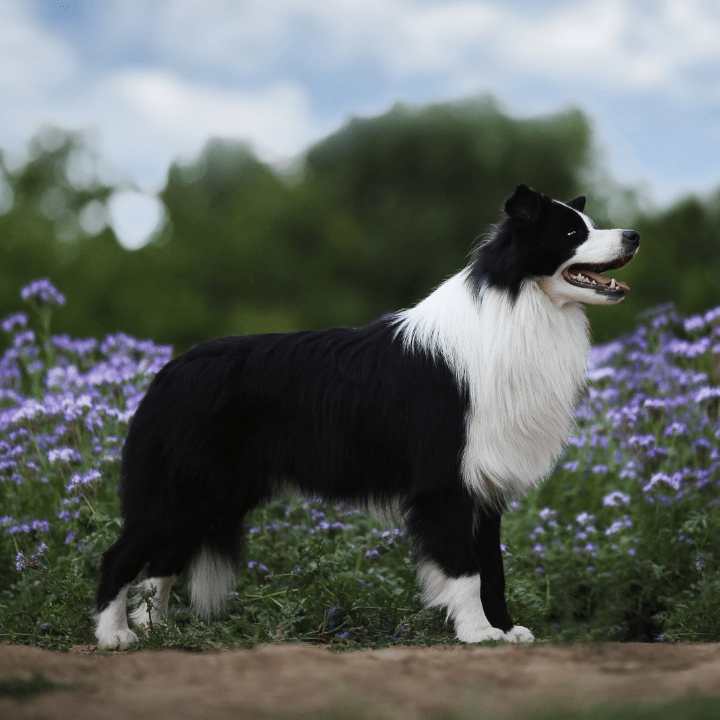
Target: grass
25,689
692,708
622,542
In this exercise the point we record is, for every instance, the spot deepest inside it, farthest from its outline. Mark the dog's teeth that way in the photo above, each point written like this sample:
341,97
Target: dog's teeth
612,284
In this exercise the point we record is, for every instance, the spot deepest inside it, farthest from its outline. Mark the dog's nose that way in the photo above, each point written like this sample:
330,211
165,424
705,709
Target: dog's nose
630,240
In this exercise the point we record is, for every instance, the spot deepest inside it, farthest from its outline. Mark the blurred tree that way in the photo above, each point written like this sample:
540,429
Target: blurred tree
423,184
378,214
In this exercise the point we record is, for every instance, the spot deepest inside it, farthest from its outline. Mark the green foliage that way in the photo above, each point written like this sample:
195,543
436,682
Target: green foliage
686,708
28,688
376,215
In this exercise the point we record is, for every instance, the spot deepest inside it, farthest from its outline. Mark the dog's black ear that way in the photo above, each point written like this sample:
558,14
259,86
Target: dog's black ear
578,203
525,203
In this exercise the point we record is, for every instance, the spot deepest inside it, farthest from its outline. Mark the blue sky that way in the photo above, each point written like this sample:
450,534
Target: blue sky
152,80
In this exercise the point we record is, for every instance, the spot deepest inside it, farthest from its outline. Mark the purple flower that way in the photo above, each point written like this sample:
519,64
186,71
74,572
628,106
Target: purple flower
676,428
65,455
694,323
642,441
43,292
707,393
712,315
672,480
27,337
13,321
601,374
615,498
79,480
629,471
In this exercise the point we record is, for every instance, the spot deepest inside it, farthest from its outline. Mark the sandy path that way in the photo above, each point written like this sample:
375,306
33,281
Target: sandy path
290,680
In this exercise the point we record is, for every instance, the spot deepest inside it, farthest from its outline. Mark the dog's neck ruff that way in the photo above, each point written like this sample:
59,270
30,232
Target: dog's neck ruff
523,364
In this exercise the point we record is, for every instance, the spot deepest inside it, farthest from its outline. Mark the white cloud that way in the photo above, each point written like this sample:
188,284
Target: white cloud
275,118
135,217
157,79
635,45
31,59
149,118
141,120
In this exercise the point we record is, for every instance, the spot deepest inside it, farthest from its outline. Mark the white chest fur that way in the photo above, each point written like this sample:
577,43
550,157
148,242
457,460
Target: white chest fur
524,364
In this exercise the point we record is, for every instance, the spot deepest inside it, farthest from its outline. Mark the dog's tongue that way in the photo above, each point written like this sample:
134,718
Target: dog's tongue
602,280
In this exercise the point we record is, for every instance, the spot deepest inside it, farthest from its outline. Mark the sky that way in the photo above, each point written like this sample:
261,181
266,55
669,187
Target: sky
150,81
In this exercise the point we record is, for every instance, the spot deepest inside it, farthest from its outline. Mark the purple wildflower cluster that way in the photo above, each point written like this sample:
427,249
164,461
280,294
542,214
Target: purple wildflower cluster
42,292
651,414
64,405
642,460
641,474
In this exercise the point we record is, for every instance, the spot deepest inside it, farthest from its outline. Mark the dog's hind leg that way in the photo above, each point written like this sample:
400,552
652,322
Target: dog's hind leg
212,566
120,564
141,616
111,625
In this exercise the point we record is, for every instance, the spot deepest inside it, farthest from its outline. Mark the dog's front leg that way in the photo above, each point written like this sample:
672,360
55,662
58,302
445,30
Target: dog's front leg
460,566
492,578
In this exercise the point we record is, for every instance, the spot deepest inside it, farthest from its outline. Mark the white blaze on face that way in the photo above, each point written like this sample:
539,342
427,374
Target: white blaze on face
600,247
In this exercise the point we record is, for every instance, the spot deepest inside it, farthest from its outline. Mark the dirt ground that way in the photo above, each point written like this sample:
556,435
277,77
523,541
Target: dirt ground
278,681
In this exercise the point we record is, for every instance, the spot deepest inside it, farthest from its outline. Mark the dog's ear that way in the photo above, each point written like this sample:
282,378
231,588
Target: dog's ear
578,203
524,204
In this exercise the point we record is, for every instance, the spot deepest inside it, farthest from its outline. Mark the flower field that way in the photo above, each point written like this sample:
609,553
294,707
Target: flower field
622,542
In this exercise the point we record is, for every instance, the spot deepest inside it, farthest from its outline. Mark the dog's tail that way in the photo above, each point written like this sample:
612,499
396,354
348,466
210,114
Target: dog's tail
212,578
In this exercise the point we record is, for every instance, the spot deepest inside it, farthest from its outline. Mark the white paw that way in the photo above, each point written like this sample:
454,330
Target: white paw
479,634
519,634
120,639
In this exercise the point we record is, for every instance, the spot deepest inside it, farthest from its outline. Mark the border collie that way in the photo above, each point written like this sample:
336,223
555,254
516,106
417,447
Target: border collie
447,411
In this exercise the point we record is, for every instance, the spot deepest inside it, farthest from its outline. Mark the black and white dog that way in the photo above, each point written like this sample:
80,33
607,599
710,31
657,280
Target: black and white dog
445,411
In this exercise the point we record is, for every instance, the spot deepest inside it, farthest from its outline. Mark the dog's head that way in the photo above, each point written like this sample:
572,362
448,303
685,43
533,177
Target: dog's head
556,245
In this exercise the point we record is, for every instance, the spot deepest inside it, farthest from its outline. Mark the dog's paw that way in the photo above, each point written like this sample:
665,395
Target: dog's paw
119,639
479,634
519,634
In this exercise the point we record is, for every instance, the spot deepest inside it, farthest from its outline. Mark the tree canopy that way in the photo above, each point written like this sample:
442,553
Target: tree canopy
375,217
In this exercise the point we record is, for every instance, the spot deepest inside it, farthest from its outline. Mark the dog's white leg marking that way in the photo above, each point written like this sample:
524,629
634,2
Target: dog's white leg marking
140,616
461,596
519,634
111,625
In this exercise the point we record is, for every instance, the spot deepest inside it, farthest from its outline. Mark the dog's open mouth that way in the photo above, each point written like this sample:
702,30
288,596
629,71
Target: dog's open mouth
589,276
